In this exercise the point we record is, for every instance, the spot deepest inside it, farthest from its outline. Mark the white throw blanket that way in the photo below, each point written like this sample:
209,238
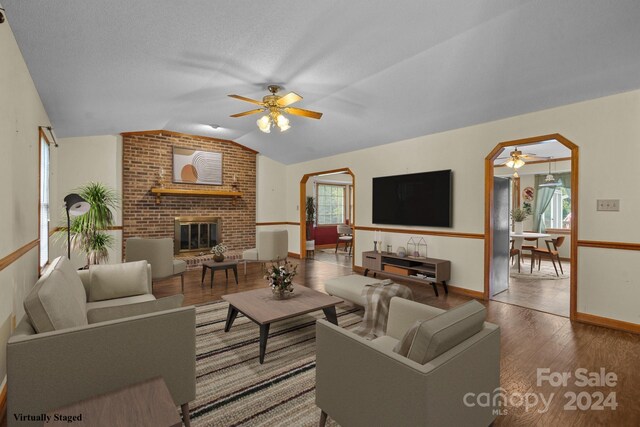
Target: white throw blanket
378,296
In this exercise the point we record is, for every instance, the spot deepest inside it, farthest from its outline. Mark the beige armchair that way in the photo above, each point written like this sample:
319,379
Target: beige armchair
158,253
365,383
271,245
95,332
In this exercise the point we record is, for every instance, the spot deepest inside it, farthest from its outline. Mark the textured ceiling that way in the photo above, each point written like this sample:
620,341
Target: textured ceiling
380,71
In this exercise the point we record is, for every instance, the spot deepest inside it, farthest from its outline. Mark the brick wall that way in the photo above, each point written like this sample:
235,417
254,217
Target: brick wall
145,153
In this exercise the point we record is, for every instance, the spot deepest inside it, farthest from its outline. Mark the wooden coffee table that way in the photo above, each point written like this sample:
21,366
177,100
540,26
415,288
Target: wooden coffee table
223,265
260,306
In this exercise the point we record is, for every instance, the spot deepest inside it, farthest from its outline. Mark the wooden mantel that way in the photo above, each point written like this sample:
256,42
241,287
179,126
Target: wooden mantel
185,192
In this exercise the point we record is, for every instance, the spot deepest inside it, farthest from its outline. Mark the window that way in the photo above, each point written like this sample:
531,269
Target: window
558,213
331,204
44,201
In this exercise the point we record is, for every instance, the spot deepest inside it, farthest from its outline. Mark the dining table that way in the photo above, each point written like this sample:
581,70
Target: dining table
518,239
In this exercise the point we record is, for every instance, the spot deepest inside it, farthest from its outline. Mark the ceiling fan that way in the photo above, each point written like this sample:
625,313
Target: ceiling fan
275,105
517,159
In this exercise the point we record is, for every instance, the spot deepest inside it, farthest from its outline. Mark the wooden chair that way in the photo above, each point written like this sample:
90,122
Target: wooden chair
529,247
513,252
550,253
345,235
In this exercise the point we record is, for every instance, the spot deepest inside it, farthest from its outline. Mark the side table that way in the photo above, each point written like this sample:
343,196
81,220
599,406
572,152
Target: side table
223,265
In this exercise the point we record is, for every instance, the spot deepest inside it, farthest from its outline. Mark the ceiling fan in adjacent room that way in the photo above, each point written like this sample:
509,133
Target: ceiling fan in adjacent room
275,105
517,159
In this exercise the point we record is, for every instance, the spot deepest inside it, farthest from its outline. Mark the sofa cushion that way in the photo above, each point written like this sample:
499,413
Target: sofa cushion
179,266
384,343
120,301
57,301
104,314
117,280
443,332
250,254
350,287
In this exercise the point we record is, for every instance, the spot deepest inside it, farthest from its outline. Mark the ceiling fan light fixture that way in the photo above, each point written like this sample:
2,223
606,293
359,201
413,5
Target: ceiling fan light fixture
264,124
282,122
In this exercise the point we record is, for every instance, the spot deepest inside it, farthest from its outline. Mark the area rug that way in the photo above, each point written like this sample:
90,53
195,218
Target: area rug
546,271
233,389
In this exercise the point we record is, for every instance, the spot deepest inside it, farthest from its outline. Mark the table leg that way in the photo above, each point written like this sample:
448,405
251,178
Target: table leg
330,314
446,290
264,334
435,288
231,316
204,271
235,273
212,271
226,273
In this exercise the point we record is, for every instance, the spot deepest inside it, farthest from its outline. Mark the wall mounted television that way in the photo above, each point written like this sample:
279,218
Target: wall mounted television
423,199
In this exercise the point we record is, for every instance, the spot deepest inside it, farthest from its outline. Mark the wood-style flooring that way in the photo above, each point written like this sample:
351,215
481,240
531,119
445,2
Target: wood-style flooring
529,340
550,296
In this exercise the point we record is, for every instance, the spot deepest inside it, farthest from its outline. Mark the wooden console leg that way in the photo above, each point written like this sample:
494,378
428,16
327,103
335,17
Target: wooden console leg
186,418
323,419
435,288
446,290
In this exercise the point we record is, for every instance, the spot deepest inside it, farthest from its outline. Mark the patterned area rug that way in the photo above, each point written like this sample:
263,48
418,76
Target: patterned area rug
546,271
233,389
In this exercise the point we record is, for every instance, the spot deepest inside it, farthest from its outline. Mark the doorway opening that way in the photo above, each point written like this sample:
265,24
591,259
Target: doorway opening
532,262
328,234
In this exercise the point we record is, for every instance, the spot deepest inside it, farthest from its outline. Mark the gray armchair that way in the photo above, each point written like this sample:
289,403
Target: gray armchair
365,383
158,253
95,332
271,245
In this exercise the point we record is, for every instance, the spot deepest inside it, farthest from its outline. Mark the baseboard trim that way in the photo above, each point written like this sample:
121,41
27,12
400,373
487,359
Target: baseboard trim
326,246
3,403
293,255
608,323
466,292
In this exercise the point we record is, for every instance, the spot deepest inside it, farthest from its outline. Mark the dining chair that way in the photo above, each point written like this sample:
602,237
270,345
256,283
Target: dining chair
552,253
529,247
513,252
345,235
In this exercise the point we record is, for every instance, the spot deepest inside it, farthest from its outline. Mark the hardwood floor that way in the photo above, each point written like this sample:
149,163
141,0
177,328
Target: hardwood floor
529,340
550,296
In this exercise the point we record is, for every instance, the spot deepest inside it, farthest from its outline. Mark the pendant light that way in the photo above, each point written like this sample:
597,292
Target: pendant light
550,180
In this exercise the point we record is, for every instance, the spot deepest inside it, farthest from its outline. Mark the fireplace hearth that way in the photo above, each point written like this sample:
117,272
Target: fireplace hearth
196,233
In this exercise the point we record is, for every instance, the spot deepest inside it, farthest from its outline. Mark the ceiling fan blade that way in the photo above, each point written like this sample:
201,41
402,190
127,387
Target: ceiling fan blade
246,113
243,98
288,99
304,113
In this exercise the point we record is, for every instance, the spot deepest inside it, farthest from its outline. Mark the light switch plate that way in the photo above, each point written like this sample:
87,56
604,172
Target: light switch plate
609,205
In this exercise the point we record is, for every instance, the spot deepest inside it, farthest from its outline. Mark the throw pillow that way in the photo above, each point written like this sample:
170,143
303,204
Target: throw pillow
117,280
445,331
403,346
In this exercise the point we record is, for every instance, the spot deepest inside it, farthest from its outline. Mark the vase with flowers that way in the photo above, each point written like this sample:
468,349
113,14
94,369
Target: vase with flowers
218,252
280,278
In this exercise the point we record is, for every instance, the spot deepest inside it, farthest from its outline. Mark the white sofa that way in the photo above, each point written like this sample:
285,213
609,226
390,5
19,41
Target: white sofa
91,332
366,383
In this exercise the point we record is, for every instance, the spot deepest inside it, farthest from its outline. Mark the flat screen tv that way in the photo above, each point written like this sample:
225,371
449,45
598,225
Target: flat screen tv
413,199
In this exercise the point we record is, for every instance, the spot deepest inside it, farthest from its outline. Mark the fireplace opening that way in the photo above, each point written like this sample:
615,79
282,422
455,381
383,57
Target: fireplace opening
196,233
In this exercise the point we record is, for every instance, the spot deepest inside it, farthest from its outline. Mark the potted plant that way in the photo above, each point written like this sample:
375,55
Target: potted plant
311,218
280,278
88,231
518,215
218,252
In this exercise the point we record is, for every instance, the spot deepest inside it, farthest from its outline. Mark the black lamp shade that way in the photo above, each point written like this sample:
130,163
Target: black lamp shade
76,205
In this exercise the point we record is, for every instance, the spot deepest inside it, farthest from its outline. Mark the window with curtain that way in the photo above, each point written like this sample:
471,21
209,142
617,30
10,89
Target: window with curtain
331,204
44,201
552,205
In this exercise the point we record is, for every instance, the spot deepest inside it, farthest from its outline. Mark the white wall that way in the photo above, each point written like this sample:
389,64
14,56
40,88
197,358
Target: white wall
76,162
607,130
21,112
270,190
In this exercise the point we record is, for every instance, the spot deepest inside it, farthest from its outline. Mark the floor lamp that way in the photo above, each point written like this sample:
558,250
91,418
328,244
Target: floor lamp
75,206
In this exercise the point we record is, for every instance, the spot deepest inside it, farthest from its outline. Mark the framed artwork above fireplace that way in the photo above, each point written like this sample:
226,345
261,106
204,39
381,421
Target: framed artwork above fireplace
192,166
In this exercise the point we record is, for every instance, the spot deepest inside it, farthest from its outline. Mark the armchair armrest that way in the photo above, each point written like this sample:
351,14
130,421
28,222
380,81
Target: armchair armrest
85,277
403,313
49,370
360,385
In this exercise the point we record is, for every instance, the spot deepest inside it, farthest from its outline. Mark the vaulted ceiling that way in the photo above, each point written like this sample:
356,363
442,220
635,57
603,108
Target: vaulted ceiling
380,71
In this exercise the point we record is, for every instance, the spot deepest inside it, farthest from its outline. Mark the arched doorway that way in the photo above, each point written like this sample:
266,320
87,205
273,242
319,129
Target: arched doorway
489,202
303,199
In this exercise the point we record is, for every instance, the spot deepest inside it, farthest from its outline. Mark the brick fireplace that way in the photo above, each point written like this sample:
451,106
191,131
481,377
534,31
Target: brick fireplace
145,154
